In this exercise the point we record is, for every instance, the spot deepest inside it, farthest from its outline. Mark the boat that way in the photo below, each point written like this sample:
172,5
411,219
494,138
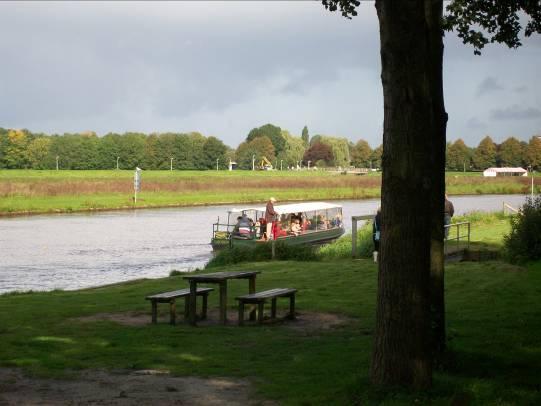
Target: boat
296,224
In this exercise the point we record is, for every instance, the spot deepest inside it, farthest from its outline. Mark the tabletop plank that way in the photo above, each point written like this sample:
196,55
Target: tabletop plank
221,276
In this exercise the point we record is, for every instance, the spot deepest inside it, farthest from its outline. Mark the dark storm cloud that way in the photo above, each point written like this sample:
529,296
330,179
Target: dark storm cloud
515,112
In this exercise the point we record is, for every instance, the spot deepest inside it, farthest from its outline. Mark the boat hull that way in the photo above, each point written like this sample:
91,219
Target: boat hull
310,238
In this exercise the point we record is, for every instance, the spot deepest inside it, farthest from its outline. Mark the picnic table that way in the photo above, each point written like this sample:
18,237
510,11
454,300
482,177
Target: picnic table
221,279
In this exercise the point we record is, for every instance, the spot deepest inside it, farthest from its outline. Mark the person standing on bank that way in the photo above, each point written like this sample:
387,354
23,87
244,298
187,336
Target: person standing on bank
376,234
448,213
270,216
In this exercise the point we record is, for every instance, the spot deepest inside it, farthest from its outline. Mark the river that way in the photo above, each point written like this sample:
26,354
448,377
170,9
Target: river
73,251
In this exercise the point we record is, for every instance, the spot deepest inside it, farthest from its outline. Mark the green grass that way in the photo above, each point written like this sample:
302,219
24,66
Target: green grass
33,191
492,316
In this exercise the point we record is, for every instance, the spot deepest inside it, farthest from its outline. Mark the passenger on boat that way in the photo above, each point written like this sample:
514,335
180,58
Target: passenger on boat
305,225
336,221
296,227
270,216
278,231
245,225
236,228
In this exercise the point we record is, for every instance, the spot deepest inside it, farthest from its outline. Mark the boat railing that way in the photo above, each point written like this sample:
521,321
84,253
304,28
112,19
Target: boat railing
222,230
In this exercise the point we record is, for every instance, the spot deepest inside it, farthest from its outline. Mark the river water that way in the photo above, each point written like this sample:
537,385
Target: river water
73,251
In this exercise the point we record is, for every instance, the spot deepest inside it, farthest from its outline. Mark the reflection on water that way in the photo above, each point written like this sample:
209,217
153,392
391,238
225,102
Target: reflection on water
73,251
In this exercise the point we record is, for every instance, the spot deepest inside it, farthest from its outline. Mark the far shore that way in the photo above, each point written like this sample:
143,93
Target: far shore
27,192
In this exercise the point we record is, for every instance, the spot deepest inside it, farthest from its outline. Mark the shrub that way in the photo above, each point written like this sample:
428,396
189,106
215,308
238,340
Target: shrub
523,243
263,252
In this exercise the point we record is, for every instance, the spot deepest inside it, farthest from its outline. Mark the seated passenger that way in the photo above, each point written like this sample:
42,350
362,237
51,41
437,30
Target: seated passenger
236,228
278,230
245,226
296,227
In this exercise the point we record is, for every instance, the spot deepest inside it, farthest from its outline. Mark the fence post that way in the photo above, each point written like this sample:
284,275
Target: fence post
353,237
469,235
458,236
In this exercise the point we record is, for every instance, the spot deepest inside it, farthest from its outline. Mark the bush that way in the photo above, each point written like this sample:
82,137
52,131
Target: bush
523,243
262,252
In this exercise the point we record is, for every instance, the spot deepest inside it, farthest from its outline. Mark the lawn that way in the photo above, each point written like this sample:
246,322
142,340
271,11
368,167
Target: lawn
492,317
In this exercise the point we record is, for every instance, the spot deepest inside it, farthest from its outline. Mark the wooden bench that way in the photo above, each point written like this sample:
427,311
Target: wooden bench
260,298
170,297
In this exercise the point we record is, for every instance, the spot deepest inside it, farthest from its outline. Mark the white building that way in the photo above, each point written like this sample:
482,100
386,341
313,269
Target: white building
505,172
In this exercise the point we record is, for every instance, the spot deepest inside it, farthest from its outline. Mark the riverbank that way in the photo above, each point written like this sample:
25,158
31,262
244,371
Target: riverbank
61,339
24,192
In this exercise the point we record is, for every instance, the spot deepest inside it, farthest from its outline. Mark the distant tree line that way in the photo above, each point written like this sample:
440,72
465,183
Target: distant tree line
22,149
510,153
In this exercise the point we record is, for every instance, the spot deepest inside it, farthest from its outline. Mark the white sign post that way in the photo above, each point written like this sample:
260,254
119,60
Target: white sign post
136,183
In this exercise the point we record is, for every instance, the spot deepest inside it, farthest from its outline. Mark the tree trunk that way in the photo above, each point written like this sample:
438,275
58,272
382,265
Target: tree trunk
412,190
437,156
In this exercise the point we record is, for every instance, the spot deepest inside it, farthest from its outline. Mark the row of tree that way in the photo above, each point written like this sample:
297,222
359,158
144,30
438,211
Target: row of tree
511,153
21,149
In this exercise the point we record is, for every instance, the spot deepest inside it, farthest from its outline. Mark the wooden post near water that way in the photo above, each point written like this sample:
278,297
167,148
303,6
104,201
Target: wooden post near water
354,220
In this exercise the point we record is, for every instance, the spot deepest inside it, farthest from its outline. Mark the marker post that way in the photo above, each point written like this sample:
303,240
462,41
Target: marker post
136,184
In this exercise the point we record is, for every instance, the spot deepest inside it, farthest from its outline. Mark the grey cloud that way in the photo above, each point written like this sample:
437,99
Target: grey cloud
520,89
474,123
489,85
98,59
515,112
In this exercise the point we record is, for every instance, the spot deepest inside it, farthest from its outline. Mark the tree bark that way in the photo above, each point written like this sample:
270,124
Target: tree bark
437,276
412,191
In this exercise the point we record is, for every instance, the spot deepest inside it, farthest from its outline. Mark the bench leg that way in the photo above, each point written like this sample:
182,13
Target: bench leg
273,308
241,313
223,303
205,301
251,289
193,302
154,312
186,307
260,312
291,307
172,312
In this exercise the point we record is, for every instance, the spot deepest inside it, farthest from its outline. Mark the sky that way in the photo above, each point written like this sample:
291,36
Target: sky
223,68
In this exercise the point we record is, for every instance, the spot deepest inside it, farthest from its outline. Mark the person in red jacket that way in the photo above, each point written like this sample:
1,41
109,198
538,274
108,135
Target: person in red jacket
270,216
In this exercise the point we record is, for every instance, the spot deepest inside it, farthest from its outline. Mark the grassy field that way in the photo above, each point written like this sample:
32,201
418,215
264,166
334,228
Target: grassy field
492,317
28,191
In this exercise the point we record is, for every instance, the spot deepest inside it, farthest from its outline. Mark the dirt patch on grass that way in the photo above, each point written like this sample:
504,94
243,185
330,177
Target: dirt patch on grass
124,318
305,321
310,322
147,387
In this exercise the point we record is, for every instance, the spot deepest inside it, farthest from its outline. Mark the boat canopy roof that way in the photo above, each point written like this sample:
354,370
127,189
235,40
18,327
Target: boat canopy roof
292,208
